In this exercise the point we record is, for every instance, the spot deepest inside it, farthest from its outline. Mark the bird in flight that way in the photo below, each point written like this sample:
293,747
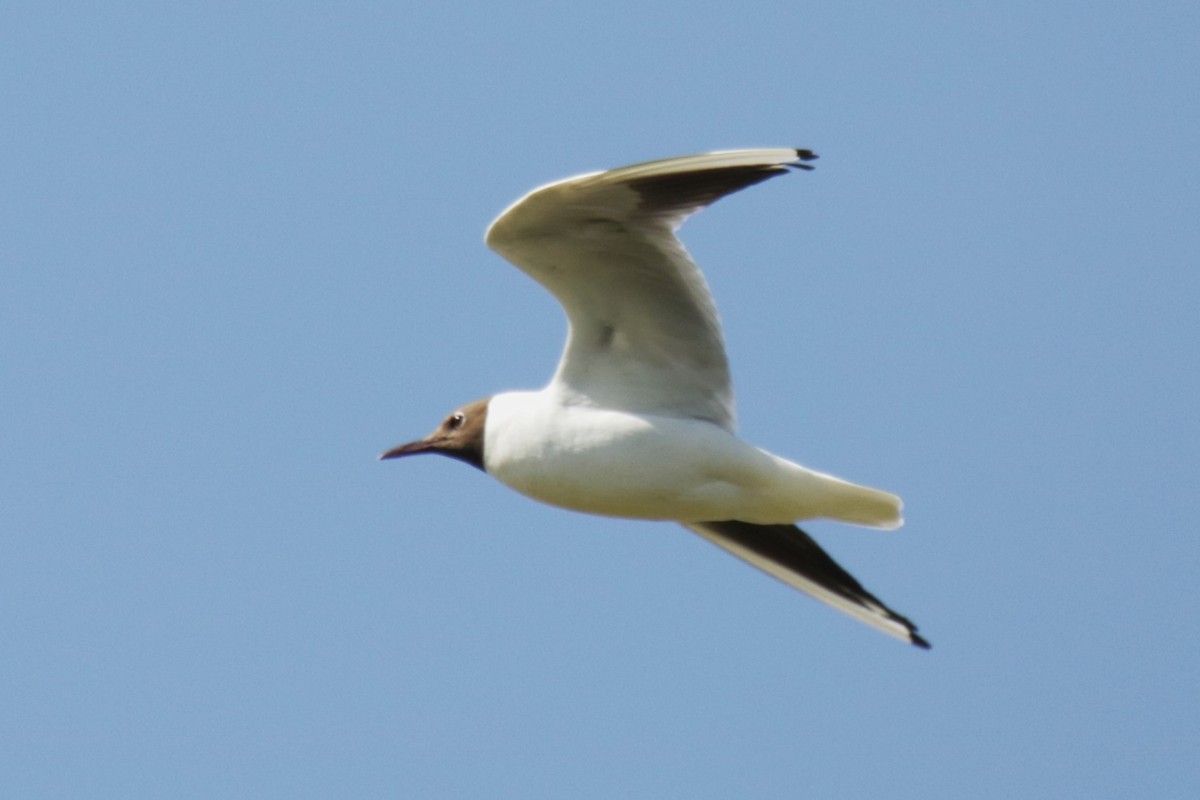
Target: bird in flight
638,419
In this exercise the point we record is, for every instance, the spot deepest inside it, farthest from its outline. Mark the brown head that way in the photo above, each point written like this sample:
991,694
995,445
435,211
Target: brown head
459,436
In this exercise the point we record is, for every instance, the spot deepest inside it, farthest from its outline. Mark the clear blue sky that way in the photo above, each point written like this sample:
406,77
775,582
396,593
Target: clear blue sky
242,254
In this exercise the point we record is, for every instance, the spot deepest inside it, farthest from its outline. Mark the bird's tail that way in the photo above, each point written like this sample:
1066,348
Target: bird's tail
861,505
818,495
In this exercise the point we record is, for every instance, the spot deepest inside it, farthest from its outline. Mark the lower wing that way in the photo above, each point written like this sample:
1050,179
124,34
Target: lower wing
791,555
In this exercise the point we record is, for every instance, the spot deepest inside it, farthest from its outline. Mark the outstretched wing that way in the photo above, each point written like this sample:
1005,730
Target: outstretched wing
791,555
644,334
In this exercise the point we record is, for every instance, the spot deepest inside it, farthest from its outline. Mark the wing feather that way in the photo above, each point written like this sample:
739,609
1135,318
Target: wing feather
644,333
791,555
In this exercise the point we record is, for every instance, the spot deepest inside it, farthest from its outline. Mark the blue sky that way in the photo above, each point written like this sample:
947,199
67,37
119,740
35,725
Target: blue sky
242,255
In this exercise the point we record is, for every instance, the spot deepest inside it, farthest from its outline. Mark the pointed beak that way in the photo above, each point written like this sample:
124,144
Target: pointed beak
410,449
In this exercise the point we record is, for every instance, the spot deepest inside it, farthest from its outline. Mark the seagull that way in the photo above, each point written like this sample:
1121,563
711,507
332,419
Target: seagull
638,419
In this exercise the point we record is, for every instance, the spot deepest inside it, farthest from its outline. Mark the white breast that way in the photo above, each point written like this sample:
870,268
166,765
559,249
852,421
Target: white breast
620,464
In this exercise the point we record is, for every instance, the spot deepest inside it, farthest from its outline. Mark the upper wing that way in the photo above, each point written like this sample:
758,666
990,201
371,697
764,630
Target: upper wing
644,334
791,555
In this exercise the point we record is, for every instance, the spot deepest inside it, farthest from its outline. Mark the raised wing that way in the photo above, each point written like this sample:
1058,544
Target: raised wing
791,555
644,334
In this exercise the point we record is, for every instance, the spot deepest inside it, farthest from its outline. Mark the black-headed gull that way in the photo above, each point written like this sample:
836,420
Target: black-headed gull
638,419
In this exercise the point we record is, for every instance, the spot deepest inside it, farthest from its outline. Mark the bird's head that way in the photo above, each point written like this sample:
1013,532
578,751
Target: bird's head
459,436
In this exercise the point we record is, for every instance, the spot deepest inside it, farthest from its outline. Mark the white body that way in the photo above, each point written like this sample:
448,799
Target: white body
622,464
638,420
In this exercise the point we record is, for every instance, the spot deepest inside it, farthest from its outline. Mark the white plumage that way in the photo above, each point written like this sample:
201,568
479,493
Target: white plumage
638,420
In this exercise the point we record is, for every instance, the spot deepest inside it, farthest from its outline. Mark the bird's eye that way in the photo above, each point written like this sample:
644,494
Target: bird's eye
455,420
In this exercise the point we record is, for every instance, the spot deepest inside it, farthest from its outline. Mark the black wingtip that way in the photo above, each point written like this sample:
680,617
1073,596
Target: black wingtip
803,155
918,640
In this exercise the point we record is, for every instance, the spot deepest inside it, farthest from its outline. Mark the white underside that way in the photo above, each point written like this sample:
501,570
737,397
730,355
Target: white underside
621,464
